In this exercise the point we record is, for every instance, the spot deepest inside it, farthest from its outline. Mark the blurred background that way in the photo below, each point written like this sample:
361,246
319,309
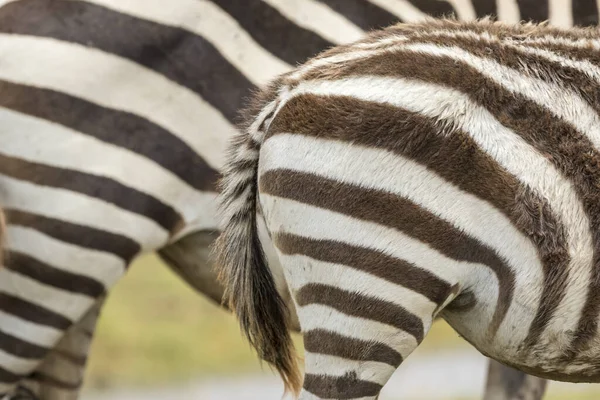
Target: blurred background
158,339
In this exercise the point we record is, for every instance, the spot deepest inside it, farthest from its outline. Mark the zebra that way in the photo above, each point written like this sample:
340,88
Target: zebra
100,78
440,168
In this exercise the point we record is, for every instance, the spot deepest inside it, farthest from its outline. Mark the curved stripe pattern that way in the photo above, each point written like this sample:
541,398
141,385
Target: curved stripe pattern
117,114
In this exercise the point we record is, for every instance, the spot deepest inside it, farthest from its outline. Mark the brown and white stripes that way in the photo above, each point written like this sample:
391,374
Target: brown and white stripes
114,116
438,168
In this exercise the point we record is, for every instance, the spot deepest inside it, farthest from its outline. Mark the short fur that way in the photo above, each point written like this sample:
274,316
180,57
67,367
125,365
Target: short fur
418,102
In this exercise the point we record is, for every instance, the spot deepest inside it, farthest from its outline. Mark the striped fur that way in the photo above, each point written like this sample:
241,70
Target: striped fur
437,168
143,99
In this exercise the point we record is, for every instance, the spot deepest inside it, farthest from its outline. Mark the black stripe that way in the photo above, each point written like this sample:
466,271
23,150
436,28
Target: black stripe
435,8
32,312
21,348
75,359
359,305
370,261
340,387
484,8
273,31
79,235
178,54
115,127
320,341
8,377
95,186
48,380
46,274
362,13
533,10
585,12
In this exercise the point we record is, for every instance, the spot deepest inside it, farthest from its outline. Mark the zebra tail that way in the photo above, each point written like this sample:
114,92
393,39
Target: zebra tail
249,285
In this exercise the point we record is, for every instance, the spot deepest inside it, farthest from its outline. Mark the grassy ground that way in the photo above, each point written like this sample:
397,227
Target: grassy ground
156,330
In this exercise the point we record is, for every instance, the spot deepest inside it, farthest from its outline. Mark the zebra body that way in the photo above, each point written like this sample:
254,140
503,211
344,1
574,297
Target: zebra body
114,116
439,168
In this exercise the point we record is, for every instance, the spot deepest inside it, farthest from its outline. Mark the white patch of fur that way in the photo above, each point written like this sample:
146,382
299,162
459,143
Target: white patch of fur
370,371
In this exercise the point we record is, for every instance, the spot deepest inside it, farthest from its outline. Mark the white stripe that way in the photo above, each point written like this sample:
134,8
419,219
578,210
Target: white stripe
41,141
19,327
512,153
302,270
340,59
317,316
15,364
80,209
100,266
403,9
464,9
560,13
87,73
370,371
318,18
70,305
560,100
508,11
206,19
300,219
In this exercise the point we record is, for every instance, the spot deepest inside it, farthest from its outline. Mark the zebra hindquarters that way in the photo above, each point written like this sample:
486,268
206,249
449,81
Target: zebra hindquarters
366,292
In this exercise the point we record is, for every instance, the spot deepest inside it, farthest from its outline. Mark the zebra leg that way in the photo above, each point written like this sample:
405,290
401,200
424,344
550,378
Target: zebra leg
61,374
505,383
190,258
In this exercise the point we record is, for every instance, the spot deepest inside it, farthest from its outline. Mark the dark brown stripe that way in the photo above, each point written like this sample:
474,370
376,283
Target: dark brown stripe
569,151
435,8
32,312
484,8
79,235
46,274
96,186
119,128
320,341
362,13
585,12
454,156
8,377
76,359
370,261
56,382
342,387
21,348
388,210
176,53
273,31
533,10
358,305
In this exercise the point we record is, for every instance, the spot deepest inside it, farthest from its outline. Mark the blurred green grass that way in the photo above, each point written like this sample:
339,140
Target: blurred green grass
156,330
